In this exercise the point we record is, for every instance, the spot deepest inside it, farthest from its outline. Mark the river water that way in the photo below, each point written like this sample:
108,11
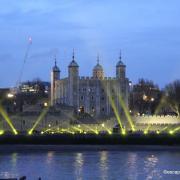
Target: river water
126,164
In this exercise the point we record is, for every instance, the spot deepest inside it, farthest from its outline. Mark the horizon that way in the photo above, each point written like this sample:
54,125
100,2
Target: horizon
147,33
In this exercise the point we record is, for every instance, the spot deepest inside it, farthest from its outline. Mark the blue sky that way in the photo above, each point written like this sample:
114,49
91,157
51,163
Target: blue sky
147,32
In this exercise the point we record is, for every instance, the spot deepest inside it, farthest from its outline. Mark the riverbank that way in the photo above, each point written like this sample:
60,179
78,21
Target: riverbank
92,139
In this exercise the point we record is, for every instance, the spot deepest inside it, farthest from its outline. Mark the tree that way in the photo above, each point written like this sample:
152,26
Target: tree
172,94
144,97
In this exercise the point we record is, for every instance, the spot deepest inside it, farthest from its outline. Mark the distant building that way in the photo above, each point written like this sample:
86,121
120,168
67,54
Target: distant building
35,87
94,95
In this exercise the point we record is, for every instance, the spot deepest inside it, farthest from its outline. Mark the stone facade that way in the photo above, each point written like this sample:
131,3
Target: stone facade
96,95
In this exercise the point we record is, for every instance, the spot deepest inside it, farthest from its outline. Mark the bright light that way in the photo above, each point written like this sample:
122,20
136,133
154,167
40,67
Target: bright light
10,95
79,126
102,124
42,132
123,132
45,104
171,132
145,132
49,125
30,132
145,97
157,132
1,132
152,99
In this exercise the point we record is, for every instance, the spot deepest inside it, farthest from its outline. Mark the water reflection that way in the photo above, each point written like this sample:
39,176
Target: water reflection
132,166
79,162
14,159
150,168
104,165
50,157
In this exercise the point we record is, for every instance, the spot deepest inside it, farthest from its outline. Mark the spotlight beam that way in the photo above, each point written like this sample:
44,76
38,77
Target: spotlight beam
7,119
126,113
107,129
175,130
163,129
41,116
109,95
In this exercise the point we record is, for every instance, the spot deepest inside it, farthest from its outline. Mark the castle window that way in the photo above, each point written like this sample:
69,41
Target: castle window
102,90
102,98
82,97
102,109
92,97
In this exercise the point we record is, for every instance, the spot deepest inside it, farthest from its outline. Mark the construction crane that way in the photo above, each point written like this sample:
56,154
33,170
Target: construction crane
24,62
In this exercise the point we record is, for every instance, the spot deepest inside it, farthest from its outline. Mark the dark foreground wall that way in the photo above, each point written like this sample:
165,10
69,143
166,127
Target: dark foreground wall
92,139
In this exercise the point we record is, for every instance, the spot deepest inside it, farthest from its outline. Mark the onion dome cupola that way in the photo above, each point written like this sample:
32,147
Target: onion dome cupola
98,72
120,69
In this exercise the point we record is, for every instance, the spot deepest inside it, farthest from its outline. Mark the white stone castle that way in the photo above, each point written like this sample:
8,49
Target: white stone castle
96,95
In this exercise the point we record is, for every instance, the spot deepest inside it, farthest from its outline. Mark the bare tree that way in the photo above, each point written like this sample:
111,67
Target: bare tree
172,93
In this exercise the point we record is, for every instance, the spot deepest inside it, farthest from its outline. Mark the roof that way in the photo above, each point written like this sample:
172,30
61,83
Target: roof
55,68
73,63
98,67
120,63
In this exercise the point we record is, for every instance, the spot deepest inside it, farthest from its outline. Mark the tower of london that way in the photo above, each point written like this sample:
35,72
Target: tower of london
97,95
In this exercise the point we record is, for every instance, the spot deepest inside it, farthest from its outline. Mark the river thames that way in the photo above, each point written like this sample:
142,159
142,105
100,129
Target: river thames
126,164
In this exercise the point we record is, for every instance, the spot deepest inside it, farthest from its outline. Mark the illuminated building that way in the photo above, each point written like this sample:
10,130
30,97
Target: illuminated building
90,94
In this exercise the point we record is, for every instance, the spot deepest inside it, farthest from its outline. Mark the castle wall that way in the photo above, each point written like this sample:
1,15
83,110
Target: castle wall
95,96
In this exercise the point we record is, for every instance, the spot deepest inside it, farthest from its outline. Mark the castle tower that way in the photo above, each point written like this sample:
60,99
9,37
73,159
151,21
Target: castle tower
98,72
120,69
73,82
55,75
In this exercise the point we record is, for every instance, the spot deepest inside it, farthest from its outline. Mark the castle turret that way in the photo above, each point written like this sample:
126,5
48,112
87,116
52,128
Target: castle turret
120,69
73,82
98,72
55,75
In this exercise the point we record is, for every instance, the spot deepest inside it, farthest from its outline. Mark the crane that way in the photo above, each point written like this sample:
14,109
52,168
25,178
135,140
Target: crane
24,62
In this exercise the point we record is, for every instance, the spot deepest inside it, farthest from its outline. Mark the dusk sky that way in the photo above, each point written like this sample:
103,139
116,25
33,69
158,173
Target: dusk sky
147,32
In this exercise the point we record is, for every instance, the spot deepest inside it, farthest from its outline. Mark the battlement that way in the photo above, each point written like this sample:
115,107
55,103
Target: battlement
156,119
92,78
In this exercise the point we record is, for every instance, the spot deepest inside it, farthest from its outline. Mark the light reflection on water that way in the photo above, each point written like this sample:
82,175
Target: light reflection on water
103,165
78,166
